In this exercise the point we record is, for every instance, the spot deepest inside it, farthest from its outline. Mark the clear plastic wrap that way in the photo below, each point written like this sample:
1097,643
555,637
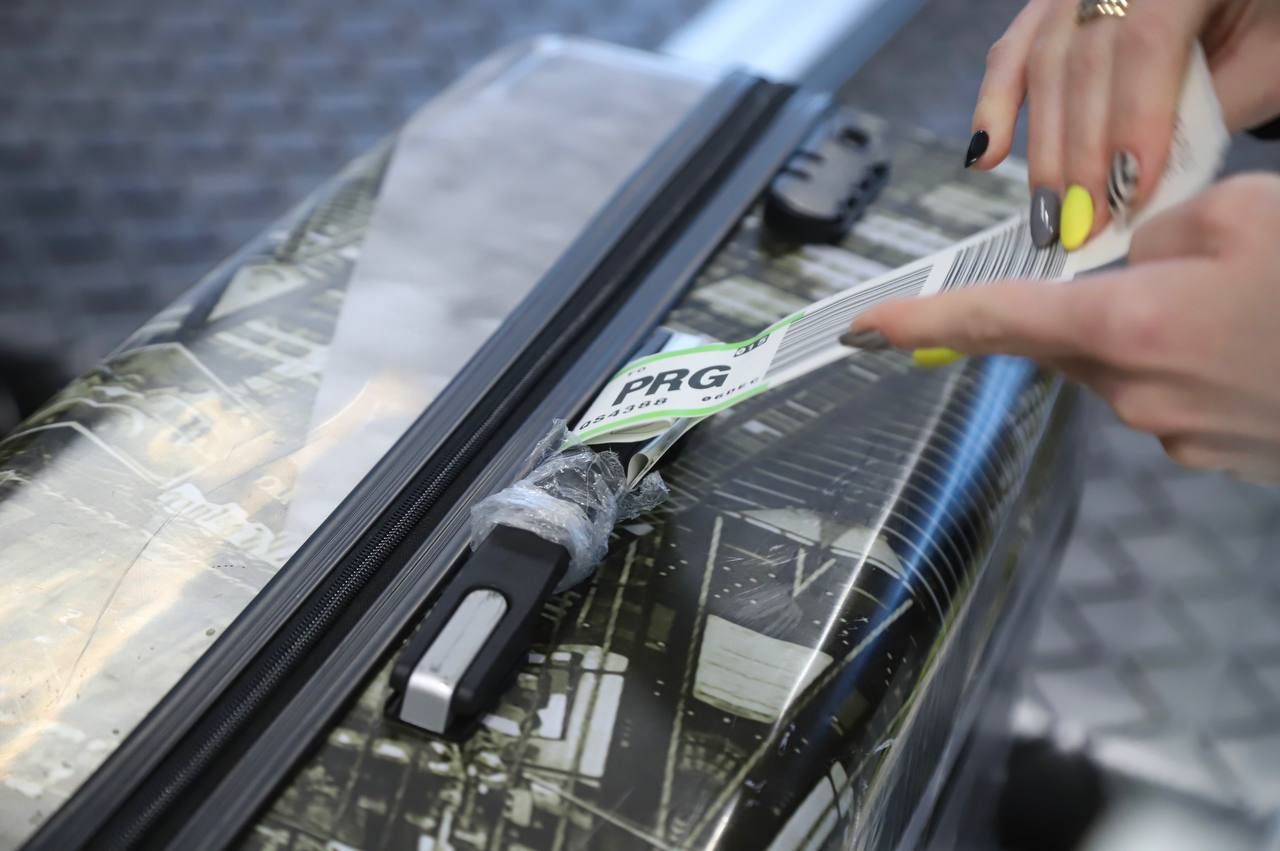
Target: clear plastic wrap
573,496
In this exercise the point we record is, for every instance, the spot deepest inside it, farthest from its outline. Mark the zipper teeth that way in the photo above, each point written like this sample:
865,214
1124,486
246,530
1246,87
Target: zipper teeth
339,594
549,346
304,635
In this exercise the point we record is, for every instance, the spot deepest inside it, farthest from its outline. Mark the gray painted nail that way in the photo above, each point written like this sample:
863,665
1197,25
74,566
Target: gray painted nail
870,340
1046,209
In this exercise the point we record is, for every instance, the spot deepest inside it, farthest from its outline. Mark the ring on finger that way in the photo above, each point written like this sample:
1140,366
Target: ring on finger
1090,9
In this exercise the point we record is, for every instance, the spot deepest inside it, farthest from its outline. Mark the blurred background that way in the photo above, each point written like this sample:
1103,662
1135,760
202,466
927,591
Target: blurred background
142,141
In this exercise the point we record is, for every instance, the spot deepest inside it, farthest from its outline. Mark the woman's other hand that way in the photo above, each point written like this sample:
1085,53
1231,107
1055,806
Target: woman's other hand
1183,344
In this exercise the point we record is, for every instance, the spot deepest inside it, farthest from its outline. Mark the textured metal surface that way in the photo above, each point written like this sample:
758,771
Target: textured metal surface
1161,647
143,141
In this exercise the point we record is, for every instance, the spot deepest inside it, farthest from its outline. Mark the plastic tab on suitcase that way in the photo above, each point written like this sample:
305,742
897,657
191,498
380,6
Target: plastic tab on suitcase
828,182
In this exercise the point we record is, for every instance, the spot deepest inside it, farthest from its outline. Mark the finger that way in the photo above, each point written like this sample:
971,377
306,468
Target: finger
1046,82
1152,49
1084,371
1158,403
1235,80
1243,458
1141,317
1004,87
1120,318
1045,71
1190,451
1176,232
1086,100
1028,318
1173,401
1146,403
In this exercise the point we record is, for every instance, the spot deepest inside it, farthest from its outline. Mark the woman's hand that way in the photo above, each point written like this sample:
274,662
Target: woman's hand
1184,344
1102,97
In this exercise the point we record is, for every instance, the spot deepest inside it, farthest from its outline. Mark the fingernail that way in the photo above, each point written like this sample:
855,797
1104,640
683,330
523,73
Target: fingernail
1077,217
1121,183
930,358
870,340
1046,208
977,147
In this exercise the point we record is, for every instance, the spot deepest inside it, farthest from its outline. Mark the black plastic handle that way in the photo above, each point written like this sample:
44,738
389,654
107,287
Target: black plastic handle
828,182
524,569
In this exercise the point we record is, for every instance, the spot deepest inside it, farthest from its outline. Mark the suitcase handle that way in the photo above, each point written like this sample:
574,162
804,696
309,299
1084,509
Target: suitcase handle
476,635
460,661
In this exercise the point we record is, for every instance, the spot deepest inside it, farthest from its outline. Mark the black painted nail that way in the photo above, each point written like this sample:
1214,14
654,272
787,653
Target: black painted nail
870,340
1121,183
977,147
1046,212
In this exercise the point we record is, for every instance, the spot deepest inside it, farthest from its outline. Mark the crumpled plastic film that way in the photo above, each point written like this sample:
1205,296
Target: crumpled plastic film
572,496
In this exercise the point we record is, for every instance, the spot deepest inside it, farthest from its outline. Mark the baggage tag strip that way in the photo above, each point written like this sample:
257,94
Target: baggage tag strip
650,395
658,398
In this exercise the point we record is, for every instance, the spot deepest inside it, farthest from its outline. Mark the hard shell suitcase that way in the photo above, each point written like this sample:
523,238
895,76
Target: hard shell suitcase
214,545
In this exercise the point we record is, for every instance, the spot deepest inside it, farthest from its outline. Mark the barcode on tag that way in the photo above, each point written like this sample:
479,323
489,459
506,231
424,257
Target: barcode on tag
1007,253
822,324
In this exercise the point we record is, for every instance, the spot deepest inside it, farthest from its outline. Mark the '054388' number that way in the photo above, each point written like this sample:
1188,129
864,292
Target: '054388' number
622,411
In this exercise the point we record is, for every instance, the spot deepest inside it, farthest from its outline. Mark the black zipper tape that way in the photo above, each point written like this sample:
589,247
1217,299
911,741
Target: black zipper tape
144,792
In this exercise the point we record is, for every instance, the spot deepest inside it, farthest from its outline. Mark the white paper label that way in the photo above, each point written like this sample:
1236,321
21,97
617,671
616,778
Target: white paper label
649,395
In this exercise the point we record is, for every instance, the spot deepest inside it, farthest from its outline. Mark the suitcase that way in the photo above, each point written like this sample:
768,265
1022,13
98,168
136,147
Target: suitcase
217,543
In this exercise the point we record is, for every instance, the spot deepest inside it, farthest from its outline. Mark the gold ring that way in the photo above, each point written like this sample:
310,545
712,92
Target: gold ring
1090,9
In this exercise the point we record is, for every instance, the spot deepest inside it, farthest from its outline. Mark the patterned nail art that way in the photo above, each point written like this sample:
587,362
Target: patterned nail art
1121,183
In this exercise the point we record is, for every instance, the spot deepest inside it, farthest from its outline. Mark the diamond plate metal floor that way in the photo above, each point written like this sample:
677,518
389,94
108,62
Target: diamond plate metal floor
1162,644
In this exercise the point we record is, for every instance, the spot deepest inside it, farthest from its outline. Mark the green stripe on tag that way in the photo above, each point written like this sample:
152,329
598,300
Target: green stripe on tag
711,347
678,414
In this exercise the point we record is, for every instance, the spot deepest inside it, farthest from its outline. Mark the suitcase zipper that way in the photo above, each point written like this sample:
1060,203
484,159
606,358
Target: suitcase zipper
150,811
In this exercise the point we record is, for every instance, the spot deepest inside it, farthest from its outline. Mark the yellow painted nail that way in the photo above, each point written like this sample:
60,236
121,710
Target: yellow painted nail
1077,217
935,357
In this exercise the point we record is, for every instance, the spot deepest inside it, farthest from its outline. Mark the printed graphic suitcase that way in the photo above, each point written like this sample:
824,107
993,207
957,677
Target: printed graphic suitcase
221,539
